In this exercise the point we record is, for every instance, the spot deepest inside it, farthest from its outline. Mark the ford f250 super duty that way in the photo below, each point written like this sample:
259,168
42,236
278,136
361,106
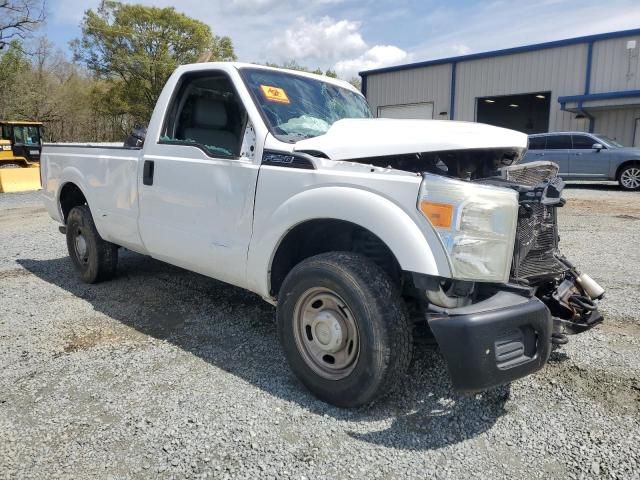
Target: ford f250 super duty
357,229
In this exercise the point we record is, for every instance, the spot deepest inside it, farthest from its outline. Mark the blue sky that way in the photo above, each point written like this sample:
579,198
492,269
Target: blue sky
352,35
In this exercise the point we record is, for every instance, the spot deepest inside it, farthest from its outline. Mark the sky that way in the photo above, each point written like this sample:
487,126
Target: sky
354,35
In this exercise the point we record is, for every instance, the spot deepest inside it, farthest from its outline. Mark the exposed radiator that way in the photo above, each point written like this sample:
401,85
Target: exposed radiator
536,243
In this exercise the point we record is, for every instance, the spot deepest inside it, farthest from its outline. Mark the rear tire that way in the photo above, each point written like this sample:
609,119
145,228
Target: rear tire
344,328
629,178
95,259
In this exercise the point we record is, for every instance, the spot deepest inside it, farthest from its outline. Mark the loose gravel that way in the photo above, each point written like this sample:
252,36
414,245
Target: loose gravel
162,373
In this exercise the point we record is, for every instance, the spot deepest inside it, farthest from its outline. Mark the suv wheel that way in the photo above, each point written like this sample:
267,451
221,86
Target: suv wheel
630,177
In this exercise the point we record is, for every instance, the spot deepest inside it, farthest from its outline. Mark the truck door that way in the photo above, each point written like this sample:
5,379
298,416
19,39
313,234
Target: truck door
196,183
587,162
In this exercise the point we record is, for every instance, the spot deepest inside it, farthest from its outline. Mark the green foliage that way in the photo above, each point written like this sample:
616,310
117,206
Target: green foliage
135,48
293,65
45,86
13,66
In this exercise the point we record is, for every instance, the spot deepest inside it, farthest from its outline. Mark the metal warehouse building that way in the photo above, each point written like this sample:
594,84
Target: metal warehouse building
588,84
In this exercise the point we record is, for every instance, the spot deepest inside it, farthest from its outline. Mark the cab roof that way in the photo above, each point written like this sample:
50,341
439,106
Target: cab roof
240,65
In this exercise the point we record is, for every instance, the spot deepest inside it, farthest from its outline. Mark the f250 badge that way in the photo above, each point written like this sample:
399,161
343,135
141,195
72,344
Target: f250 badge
277,158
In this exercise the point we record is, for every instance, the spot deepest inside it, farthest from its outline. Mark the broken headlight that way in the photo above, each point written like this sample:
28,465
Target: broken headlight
476,224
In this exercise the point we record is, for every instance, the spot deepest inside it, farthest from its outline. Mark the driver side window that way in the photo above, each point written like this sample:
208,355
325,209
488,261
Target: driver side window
206,113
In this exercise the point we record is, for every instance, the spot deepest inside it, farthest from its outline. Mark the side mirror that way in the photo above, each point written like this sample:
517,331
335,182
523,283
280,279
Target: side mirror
136,138
597,146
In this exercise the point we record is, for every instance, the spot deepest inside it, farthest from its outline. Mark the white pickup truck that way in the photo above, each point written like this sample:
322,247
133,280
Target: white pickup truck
357,228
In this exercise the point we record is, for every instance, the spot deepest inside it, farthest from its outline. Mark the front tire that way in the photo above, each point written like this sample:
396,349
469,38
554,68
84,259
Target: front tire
95,259
344,328
630,177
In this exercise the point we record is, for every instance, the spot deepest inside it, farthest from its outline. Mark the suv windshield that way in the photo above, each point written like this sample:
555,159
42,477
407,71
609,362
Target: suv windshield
297,107
609,141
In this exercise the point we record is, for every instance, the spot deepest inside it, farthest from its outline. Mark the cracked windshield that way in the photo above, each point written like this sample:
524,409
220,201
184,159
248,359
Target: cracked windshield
296,107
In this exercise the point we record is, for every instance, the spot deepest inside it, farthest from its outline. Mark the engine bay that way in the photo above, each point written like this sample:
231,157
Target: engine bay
468,164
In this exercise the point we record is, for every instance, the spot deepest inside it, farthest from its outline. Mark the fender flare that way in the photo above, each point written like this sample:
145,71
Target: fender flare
74,176
411,239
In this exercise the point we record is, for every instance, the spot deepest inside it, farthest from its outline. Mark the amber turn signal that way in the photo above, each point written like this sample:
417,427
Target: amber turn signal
439,214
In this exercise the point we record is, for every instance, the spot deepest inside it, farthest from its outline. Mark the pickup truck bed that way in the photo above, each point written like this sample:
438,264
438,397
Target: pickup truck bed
112,174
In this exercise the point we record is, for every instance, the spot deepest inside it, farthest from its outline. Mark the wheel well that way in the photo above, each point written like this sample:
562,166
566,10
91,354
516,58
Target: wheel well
70,196
625,165
327,235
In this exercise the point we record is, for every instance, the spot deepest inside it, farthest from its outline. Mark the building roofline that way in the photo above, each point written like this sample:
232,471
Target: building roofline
599,96
506,51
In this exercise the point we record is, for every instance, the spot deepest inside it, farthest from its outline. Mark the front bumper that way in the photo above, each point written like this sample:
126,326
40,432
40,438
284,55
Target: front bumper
503,338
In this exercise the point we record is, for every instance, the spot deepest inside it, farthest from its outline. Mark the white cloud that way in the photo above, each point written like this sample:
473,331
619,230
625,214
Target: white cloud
326,40
332,43
375,57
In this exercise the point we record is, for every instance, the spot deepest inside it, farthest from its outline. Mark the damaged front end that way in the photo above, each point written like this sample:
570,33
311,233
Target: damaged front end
538,264
491,333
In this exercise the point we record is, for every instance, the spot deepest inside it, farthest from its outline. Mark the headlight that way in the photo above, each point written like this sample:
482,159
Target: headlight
476,223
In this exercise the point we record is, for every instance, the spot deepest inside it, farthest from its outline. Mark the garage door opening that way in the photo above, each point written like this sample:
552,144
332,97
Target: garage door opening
413,110
528,113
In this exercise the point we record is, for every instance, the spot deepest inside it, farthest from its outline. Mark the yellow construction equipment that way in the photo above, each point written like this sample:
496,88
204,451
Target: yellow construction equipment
20,149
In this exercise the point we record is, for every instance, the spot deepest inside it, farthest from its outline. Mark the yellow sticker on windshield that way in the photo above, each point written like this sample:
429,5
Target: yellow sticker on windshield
274,94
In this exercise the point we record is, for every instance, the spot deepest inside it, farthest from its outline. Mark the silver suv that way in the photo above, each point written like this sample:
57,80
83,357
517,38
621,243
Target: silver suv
587,156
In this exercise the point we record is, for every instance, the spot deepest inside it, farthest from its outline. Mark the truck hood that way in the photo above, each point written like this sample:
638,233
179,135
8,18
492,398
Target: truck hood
350,139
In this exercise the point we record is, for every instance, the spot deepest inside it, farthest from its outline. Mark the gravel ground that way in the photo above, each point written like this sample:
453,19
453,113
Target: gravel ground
162,373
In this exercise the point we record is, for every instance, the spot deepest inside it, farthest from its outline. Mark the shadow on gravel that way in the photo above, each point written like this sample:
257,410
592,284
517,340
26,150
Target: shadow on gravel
235,331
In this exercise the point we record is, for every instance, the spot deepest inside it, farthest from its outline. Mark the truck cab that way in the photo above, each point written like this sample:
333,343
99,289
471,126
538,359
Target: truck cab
357,229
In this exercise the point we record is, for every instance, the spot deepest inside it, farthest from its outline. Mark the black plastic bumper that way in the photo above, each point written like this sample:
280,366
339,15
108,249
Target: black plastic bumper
493,342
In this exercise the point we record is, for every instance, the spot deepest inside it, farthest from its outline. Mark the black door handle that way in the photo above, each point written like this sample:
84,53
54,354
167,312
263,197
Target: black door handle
147,172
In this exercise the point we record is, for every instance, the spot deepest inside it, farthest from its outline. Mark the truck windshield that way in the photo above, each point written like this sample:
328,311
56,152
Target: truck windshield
26,134
297,107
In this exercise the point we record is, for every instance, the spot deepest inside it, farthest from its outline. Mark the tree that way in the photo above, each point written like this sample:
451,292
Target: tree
45,86
356,82
18,18
14,65
135,49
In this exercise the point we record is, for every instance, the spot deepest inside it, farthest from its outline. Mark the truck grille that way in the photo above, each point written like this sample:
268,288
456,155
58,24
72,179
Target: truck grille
531,174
